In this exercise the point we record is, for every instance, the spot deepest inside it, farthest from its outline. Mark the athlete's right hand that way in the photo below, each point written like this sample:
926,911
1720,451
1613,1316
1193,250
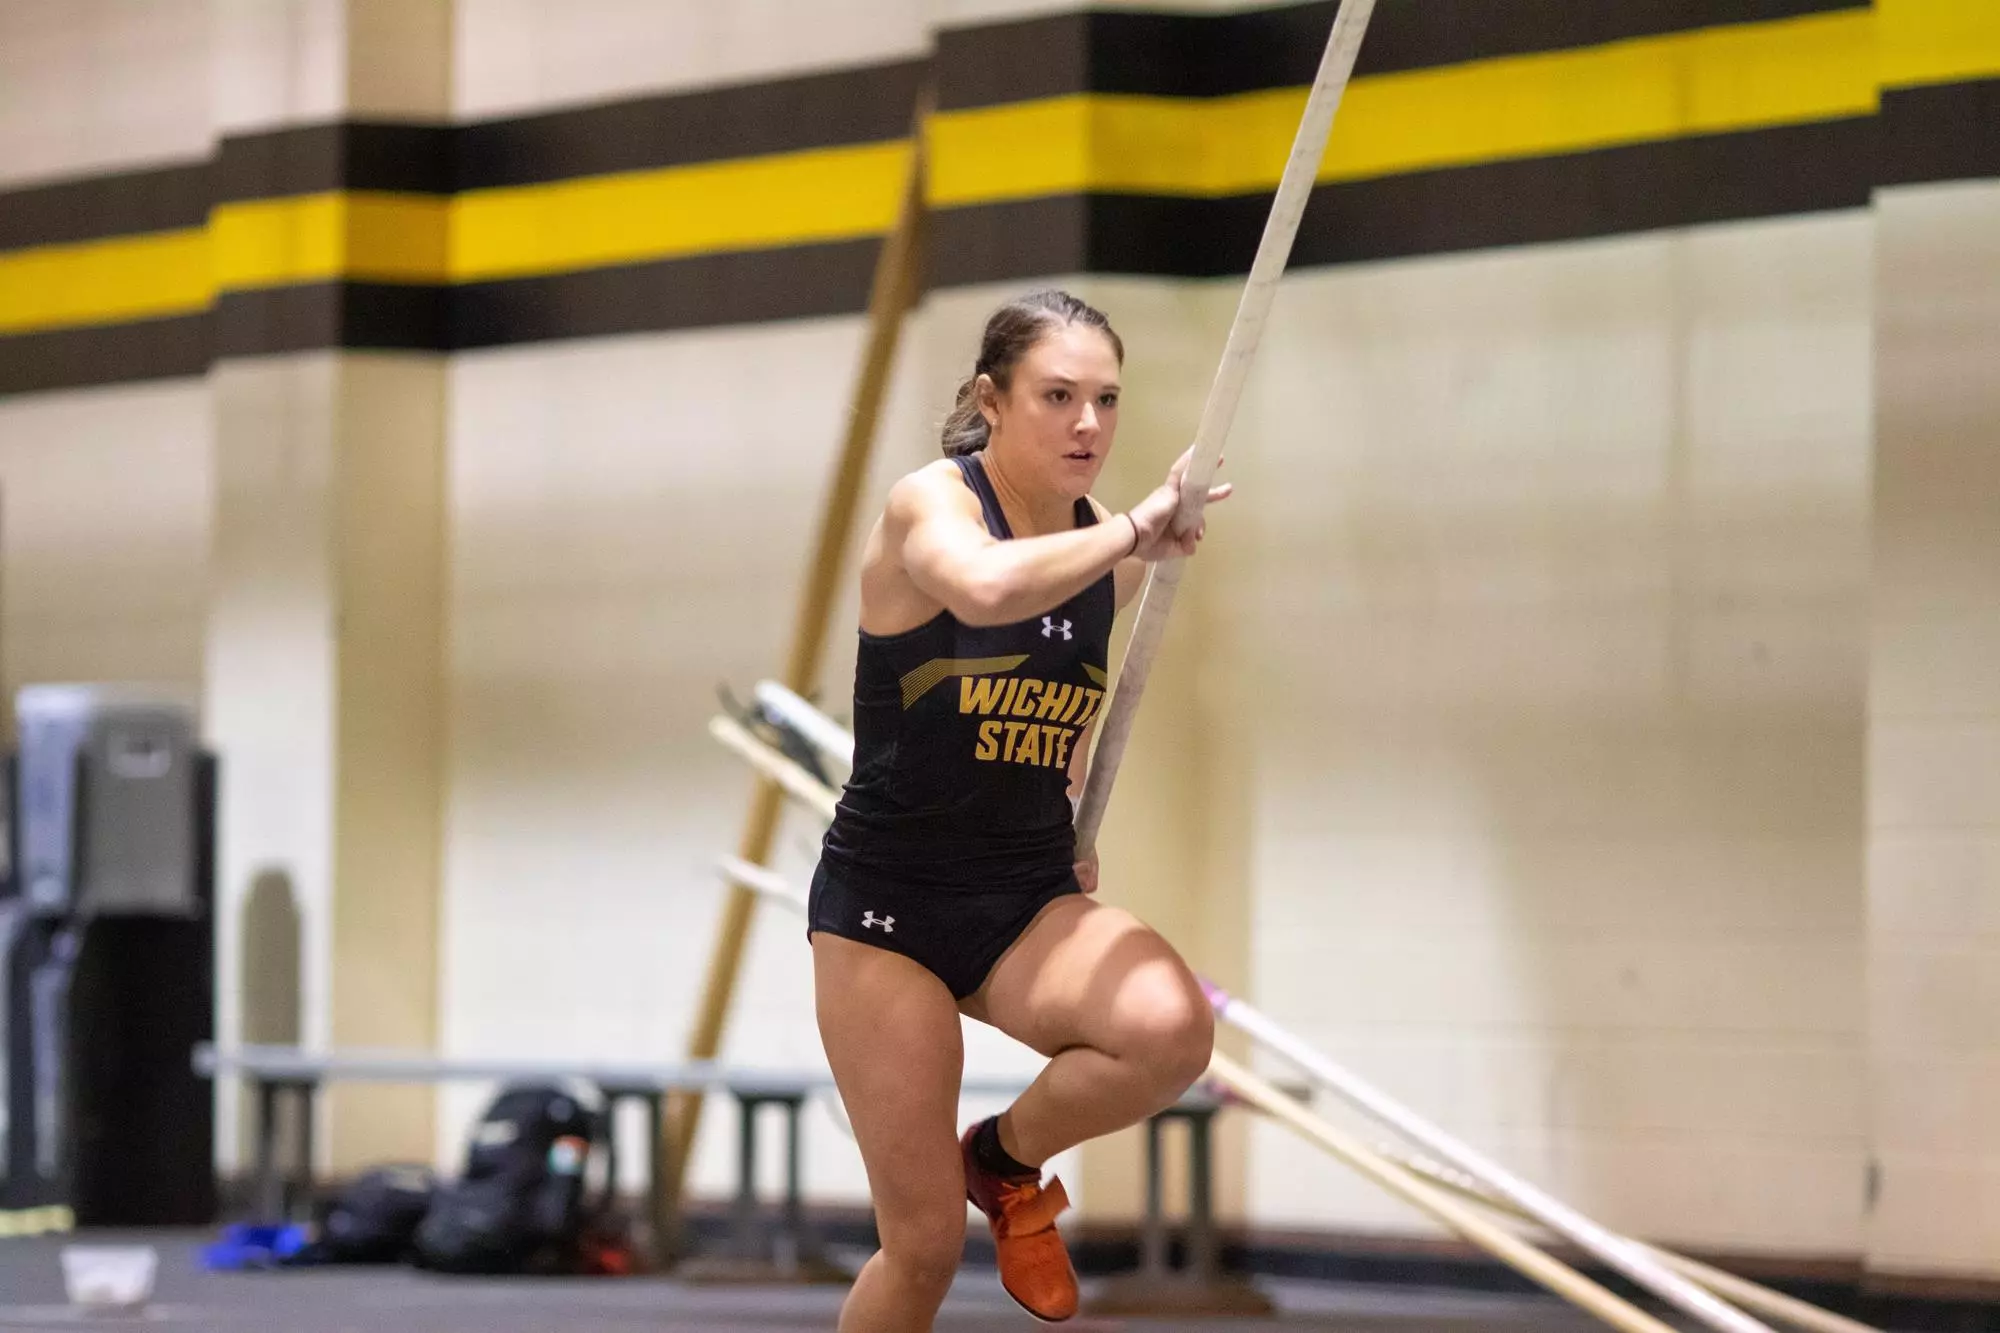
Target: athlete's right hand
1153,517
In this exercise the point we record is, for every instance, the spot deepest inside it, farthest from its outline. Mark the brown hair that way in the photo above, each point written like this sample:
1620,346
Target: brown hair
1011,332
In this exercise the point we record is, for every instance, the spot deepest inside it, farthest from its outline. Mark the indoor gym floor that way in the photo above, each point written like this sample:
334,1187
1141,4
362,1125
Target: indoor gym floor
401,1301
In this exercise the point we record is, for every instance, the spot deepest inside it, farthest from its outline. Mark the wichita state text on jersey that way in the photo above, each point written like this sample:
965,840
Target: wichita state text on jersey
963,736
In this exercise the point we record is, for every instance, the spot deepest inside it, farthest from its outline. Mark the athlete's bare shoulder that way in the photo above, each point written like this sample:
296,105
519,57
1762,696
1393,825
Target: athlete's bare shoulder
922,494
890,599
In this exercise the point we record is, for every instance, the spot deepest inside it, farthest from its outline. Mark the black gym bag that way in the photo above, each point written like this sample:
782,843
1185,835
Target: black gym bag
374,1220
525,1202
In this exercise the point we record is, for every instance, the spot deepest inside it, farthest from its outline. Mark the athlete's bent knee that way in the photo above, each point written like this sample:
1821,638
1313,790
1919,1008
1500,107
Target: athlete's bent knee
1177,1033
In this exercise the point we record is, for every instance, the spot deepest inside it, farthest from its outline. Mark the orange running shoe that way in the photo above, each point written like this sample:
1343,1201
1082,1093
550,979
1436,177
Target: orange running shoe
1034,1264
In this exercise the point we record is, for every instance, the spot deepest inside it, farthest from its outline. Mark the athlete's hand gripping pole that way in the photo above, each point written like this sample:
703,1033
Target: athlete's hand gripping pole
1273,250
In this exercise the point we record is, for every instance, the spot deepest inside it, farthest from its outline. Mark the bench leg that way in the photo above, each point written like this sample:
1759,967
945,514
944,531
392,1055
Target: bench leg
746,1179
267,1192
1201,1256
306,1097
1153,1237
611,1163
660,1209
791,1246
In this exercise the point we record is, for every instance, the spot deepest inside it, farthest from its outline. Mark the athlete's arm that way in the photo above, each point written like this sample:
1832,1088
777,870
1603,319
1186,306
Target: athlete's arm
1129,575
934,525
948,553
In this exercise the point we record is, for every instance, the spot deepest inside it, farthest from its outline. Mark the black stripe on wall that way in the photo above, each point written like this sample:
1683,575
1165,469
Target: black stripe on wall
1678,183
1683,182
998,242
1184,55
829,110
157,199
346,155
332,314
106,354
801,282
818,111
1948,132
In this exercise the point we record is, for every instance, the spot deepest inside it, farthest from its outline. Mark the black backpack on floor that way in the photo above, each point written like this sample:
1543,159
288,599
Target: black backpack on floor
525,1200
374,1220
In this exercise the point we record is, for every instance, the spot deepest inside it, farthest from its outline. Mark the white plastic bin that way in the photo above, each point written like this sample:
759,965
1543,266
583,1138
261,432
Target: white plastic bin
109,1276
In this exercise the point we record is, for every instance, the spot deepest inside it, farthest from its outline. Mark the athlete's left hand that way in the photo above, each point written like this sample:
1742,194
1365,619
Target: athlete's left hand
1086,873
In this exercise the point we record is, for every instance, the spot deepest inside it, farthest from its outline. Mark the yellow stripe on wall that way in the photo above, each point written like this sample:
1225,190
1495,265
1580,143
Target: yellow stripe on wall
1938,41
105,282
264,243
1780,73
786,199
319,237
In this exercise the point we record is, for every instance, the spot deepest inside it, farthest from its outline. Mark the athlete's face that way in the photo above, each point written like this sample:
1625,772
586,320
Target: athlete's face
1057,417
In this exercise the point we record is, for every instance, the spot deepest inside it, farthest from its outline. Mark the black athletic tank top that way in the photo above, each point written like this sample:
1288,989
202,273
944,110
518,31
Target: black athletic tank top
963,736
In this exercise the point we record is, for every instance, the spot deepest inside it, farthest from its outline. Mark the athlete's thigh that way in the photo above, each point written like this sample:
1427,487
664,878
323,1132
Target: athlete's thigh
892,1036
1087,974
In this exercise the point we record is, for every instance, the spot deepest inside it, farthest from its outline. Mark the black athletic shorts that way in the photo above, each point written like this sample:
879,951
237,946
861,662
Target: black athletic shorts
956,934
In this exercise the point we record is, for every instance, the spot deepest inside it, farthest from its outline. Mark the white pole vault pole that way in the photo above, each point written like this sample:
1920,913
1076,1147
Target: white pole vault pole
1274,249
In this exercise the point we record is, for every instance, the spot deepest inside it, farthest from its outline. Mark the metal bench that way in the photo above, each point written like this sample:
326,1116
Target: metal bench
760,1247
783,1251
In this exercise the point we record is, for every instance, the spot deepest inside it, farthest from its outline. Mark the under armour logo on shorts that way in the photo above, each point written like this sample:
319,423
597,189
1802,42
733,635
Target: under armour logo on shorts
1050,629
869,921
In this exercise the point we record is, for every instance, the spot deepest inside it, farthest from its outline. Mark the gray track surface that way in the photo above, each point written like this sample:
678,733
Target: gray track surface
400,1301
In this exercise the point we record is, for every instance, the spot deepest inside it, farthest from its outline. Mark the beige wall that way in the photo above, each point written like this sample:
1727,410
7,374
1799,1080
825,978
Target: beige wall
518,56
1558,615
298,62
630,517
1934,736
324,696
96,86
104,502
325,638
104,494
388,545
270,672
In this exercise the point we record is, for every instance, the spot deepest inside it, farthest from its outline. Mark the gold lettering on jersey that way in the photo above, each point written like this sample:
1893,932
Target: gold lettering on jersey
1033,722
980,694
1029,751
1091,698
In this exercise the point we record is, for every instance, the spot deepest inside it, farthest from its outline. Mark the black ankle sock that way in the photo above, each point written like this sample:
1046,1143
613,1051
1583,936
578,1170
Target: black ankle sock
994,1159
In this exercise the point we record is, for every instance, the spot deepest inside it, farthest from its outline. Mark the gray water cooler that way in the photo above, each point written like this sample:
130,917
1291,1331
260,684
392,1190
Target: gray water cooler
107,959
